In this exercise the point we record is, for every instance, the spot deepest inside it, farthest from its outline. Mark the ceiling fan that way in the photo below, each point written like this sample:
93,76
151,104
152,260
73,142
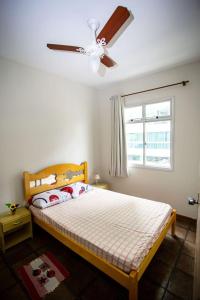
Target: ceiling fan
96,50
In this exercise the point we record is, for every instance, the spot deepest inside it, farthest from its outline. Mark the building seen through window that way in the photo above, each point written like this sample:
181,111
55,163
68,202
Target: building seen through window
149,134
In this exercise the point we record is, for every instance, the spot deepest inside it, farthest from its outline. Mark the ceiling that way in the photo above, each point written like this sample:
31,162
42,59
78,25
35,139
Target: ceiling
163,34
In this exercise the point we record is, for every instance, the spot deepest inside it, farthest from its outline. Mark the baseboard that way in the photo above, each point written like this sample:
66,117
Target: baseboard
186,219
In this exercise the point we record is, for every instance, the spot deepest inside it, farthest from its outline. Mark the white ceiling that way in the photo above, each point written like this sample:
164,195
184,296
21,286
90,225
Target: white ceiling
164,33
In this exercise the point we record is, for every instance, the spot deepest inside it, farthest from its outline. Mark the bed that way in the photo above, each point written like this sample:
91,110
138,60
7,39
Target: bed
117,233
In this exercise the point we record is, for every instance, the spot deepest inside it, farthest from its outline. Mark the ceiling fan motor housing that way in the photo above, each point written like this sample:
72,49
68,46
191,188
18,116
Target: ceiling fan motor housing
94,50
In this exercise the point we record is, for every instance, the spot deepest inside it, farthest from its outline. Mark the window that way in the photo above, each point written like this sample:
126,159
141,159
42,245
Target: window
149,134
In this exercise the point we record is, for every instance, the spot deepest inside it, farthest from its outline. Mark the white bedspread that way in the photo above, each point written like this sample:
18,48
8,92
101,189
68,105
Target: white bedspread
117,227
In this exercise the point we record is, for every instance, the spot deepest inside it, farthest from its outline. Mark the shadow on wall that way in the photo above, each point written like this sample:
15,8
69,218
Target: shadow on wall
18,188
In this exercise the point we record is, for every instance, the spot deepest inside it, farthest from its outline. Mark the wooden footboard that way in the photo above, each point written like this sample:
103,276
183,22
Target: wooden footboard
129,281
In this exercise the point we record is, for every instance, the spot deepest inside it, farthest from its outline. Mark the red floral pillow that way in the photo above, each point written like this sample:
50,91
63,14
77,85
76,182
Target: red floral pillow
76,189
67,189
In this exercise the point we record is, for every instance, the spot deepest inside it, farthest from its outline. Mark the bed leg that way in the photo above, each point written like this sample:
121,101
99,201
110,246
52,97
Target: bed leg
173,227
133,286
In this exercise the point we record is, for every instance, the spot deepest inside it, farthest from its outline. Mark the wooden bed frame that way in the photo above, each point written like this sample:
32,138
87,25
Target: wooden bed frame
33,185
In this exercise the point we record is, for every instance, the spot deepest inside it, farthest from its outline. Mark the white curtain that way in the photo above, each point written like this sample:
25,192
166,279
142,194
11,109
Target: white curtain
118,138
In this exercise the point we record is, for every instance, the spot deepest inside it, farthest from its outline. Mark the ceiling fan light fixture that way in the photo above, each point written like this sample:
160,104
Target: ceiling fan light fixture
94,62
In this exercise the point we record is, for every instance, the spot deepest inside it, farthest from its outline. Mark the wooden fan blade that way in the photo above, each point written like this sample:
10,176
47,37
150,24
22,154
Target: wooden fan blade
64,47
118,18
107,61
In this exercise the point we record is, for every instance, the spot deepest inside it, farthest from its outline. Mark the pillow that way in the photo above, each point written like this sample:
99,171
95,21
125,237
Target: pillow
76,189
49,198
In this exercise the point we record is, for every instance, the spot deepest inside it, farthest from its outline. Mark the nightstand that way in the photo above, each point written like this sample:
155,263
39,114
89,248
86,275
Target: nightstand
101,185
15,228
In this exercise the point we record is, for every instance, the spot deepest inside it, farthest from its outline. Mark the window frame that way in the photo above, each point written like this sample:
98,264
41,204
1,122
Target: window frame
143,120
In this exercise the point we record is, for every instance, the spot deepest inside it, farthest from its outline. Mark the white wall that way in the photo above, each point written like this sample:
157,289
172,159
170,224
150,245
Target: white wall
171,187
44,120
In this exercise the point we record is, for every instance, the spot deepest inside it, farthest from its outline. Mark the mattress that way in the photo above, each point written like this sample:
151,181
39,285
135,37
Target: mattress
117,227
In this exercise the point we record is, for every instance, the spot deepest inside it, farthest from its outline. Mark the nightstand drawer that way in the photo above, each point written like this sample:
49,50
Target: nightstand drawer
16,223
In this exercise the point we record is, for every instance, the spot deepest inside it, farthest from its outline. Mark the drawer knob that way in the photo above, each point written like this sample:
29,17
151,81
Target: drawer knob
17,223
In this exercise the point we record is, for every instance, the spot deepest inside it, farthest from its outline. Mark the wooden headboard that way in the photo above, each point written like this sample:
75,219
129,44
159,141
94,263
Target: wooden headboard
53,177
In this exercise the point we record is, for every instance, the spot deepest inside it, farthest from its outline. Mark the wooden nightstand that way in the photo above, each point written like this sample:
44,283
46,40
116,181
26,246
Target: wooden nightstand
101,185
15,228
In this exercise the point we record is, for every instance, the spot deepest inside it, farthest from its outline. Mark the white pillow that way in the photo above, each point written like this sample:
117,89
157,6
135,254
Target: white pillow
49,198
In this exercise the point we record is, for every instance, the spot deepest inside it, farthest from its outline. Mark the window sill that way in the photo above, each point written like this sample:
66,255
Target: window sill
132,166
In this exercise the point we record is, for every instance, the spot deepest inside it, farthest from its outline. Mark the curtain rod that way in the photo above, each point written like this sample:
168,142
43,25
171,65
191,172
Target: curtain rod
157,88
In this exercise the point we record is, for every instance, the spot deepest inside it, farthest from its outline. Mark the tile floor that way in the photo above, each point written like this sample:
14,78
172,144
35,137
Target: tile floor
169,276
